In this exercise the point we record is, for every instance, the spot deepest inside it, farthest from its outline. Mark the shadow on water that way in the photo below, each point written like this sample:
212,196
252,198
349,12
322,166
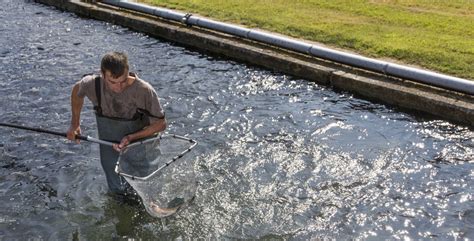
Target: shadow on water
278,158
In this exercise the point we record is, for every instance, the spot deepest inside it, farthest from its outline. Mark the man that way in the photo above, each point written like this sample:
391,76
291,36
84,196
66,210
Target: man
126,107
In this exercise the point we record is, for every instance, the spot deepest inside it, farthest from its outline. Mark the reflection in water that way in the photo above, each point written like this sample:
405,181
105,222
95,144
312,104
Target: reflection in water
278,158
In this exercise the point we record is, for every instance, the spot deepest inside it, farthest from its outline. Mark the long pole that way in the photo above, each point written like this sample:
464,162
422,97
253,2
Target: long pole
80,137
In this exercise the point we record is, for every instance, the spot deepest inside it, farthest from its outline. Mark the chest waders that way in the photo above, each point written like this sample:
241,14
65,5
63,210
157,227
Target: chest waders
114,129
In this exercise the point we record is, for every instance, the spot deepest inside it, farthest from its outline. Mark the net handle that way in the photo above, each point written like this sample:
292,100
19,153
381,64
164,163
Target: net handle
194,143
84,138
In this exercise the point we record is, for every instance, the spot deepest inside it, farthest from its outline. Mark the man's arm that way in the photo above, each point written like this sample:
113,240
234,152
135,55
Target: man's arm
153,128
76,108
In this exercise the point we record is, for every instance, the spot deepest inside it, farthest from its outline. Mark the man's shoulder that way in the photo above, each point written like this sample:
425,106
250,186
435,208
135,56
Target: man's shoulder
87,85
142,84
87,78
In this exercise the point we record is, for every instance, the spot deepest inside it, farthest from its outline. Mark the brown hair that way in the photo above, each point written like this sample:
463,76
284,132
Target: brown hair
115,62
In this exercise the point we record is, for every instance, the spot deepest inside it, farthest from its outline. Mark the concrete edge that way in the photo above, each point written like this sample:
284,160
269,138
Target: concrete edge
445,104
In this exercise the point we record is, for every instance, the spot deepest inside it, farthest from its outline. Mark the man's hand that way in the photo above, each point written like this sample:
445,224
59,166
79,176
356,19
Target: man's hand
123,143
76,107
72,132
155,127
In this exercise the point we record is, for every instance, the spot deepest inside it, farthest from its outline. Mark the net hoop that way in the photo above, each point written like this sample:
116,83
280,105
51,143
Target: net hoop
173,159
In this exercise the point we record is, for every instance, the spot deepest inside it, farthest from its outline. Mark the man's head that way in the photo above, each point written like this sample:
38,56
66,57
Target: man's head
114,62
114,67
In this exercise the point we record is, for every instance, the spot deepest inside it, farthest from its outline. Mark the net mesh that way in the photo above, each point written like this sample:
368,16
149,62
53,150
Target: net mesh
161,173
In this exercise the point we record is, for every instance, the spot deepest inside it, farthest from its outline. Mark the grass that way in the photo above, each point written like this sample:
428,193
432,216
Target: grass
436,35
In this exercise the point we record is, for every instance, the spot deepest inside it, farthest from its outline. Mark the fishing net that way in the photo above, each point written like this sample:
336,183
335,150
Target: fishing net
160,172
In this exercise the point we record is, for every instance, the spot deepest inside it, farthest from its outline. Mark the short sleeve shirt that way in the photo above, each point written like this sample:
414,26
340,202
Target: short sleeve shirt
139,95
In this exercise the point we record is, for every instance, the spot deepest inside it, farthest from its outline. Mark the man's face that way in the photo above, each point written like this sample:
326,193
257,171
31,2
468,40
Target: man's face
118,84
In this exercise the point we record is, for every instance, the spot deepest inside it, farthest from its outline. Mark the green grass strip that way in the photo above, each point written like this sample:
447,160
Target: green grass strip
437,35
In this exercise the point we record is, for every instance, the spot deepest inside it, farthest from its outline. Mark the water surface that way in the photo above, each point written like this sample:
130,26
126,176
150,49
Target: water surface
278,157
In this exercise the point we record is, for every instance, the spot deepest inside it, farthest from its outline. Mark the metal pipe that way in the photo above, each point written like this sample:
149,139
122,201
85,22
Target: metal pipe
387,68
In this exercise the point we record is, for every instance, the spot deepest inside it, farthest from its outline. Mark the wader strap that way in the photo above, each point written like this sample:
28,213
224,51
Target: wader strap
98,108
143,112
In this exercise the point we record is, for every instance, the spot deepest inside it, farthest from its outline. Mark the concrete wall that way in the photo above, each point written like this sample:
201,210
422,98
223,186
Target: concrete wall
415,97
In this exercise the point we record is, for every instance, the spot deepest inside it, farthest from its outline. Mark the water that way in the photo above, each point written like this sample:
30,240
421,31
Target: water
278,157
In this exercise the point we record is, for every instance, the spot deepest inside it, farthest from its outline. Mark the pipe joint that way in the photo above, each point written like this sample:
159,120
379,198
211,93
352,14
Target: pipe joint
185,19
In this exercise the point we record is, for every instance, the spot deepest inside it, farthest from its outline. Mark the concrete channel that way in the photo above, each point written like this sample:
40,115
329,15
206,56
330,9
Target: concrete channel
405,94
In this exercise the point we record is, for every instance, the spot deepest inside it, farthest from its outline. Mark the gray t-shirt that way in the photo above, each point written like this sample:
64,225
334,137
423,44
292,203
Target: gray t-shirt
139,95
